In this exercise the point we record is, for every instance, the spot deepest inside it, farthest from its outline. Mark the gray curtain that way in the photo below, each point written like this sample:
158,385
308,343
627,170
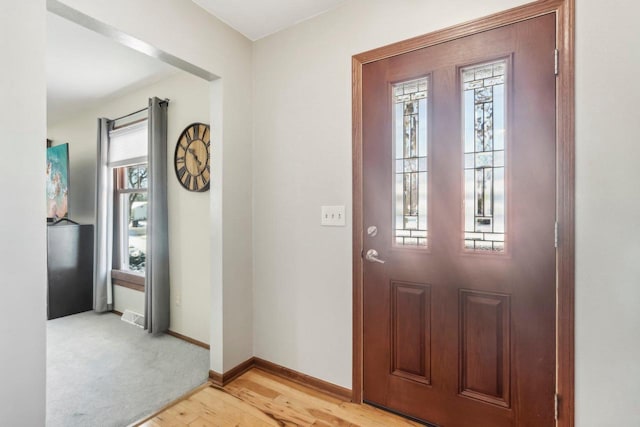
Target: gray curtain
156,316
103,242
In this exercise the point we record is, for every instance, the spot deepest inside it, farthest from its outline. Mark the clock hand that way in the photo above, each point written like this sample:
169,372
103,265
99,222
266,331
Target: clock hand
192,151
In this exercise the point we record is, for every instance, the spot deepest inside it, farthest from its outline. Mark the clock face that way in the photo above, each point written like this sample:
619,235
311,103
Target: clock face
191,159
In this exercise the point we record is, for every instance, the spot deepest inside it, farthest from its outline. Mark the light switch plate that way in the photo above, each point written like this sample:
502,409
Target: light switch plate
333,216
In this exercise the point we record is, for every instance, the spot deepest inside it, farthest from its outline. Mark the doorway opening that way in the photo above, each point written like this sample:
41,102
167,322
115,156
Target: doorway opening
100,351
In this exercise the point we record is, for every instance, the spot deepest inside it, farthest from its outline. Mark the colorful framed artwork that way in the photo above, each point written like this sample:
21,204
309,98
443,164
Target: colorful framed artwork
57,182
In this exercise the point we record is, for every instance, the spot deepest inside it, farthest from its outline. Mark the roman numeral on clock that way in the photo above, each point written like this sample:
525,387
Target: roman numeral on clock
181,172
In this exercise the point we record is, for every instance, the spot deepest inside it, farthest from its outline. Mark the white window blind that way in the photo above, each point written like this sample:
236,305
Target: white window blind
128,145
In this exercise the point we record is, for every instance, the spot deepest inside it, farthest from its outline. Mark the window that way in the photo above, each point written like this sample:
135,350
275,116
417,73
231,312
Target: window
484,113
128,145
131,217
410,162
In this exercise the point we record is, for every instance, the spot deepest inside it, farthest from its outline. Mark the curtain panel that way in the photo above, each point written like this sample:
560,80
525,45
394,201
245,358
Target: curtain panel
103,249
157,298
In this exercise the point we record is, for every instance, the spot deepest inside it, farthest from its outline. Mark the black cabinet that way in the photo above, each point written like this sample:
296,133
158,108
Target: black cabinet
69,269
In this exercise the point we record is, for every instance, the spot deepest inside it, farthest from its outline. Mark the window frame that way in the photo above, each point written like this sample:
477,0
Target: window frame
121,275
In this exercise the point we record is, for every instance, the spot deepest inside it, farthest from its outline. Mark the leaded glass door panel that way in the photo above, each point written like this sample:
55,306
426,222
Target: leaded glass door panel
459,181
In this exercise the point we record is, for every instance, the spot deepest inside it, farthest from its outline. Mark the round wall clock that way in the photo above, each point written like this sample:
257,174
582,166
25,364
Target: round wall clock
191,160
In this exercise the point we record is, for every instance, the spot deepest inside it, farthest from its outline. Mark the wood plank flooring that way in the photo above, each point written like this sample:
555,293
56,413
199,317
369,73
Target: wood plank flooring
260,399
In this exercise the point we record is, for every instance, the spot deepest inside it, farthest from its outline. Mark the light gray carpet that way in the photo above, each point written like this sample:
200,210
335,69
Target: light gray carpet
104,372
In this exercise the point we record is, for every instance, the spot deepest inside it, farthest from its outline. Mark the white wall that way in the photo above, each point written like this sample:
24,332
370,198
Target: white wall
22,221
181,28
608,210
130,299
189,217
302,159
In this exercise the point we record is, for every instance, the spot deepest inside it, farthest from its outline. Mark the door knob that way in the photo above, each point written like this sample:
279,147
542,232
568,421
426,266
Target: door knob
372,256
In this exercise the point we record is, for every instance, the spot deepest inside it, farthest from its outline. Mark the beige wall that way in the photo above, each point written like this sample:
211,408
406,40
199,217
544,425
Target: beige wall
22,221
189,216
302,302
129,299
607,213
302,159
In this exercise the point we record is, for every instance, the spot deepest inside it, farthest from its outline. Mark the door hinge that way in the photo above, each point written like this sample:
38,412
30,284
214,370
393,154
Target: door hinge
556,406
556,61
555,235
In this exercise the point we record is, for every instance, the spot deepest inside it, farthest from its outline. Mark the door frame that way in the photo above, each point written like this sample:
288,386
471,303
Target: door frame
565,181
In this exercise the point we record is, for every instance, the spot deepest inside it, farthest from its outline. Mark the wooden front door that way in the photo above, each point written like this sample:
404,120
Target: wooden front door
459,211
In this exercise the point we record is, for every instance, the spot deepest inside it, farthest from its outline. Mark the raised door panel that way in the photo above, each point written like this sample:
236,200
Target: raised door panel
411,331
484,347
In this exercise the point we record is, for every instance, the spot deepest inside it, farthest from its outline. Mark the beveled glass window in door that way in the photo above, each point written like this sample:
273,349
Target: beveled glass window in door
484,117
410,121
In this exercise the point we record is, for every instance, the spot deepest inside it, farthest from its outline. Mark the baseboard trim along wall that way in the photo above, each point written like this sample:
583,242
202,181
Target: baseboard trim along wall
179,336
280,371
223,379
304,379
189,339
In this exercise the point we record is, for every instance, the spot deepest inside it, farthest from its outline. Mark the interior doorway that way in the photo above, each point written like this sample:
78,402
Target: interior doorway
121,81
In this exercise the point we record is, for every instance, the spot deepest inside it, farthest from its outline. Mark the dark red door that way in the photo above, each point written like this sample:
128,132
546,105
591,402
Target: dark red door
459,204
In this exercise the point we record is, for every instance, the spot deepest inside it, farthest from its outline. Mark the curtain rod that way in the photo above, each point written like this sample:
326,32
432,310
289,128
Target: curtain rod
130,114
163,101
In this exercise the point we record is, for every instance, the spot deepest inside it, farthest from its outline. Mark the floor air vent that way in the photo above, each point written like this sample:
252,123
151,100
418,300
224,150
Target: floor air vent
133,318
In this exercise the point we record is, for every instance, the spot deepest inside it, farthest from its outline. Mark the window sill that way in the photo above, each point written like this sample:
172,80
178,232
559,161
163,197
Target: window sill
128,280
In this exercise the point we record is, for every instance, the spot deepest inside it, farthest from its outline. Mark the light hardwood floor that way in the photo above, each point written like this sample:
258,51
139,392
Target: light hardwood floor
260,399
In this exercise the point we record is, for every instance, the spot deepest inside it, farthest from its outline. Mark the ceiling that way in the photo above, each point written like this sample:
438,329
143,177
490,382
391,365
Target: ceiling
259,18
84,68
